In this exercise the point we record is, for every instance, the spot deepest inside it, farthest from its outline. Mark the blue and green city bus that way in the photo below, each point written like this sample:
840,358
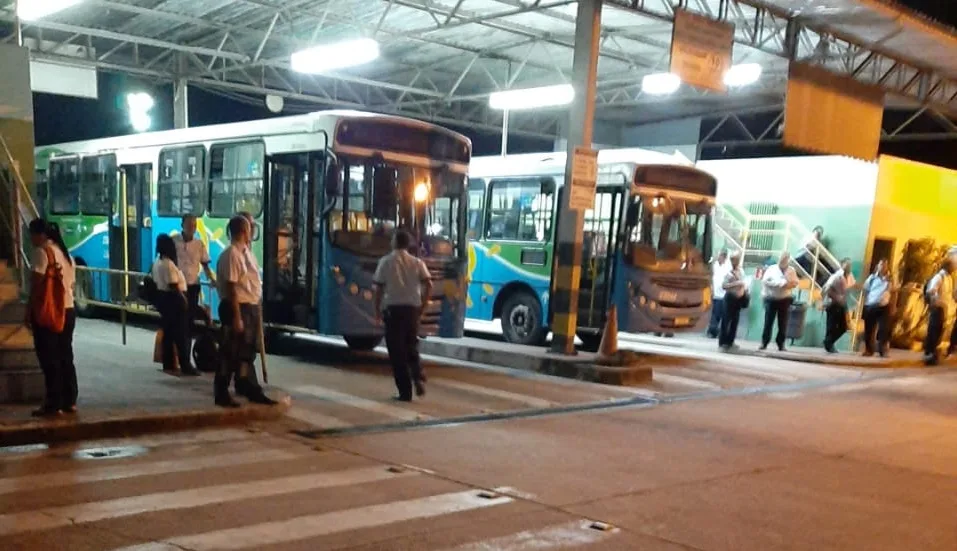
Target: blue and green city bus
328,190
647,242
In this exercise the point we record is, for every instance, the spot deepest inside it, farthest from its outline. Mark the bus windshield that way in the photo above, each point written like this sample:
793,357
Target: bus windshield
372,206
664,230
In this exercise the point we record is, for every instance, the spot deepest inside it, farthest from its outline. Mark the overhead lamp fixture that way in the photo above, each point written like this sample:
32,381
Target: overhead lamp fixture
532,98
31,10
139,105
660,84
330,57
743,74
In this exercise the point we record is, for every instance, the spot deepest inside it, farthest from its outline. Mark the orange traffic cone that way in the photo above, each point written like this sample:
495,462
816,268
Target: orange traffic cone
608,348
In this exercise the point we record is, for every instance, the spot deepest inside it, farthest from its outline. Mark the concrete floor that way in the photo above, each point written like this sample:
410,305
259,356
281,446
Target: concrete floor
868,464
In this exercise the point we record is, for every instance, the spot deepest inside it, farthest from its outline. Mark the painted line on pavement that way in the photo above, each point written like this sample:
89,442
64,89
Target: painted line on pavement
119,472
56,517
316,419
313,526
571,534
683,381
495,393
360,403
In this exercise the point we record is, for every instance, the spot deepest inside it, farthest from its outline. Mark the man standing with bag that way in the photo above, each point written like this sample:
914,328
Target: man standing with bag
240,292
404,285
191,255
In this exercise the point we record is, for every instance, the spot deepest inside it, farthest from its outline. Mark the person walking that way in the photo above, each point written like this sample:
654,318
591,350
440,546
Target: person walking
877,298
835,304
191,256
52,279
939,294
403,287
240,293
719,269
778,282
735,287
172,306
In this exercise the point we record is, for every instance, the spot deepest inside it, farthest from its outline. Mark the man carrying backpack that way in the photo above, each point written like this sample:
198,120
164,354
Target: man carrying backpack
939,294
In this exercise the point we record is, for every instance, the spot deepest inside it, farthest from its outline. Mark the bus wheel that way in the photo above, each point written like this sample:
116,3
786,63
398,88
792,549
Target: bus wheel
590,341
522,320
362,343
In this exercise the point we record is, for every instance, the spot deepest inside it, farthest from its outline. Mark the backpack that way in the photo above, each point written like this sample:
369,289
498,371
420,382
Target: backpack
206,352
50,311
148,290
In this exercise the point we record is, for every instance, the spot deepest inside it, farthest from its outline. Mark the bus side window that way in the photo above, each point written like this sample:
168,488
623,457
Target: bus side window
97,182
236,179
476,212
181,185
64,186
520,210
42,190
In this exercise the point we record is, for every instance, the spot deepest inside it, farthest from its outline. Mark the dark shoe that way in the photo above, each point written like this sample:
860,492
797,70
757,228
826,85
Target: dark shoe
261,398
782,349
868,354
400,398
419,388
46,412
830,350
227,402
70,410
191,372
763,347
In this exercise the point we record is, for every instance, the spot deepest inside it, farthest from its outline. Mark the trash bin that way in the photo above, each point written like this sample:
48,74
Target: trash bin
796,319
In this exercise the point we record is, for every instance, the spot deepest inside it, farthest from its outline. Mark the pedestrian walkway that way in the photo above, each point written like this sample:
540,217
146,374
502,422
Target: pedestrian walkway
231,489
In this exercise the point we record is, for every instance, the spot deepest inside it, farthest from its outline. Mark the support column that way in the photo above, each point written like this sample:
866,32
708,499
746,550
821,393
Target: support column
566,272
181,104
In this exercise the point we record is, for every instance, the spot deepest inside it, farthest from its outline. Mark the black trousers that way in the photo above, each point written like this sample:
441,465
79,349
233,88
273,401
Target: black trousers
836,324
776,309
935,330
192,303
402,340
876,323
718,309
175,323
239,350
55,354
729,321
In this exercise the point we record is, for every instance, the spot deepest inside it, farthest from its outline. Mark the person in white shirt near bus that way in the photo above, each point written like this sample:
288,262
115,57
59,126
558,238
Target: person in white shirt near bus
876,293
240,293
719,269
171,303
735,287
403,286
939,295
835,304
191,256
778,282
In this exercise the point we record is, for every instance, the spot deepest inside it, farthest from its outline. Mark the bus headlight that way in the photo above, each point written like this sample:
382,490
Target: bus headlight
421,192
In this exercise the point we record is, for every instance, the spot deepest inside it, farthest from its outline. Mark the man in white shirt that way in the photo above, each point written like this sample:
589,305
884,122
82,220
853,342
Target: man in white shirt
778,283
240,292
835,304
939,295
719,269
403,286
191,255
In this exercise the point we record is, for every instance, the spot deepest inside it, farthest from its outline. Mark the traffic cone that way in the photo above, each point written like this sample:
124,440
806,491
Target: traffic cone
608,348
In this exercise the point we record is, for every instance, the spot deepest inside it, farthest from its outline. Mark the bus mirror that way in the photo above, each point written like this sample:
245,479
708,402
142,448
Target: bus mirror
333,179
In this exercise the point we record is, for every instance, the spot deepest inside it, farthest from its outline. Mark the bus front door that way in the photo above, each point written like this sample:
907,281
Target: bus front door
134,250
286,254
600,236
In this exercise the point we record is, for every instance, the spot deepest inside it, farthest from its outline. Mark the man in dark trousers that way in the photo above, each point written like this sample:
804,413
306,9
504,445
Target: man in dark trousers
403,287
835,304
779,281
939,294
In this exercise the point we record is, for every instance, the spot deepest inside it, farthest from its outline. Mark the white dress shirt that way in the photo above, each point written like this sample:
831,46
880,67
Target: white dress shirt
237,265
718,272
167,276
67,269
776,282
190,257
401,275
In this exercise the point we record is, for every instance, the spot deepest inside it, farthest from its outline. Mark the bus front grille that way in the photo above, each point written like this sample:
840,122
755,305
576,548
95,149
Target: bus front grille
680,283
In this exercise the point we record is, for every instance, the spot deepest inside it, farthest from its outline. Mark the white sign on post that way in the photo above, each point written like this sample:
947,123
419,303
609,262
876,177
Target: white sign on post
584,179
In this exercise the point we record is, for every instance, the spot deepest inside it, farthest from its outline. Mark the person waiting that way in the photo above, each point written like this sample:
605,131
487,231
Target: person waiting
877,298
191,256
835,304
735,287
778,282
172,306
719,269
939,295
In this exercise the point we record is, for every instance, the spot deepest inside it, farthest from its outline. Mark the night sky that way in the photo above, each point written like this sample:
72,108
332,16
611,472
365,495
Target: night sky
62,119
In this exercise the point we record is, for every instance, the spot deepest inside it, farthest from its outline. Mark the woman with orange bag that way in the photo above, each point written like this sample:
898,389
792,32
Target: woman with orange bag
51,315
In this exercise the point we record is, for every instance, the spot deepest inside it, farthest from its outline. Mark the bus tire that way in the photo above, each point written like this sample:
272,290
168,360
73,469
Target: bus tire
522,320
362,343
590,341
81,293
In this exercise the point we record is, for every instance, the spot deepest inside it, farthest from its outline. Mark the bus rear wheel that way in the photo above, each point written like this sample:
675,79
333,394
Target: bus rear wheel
522,320
362,343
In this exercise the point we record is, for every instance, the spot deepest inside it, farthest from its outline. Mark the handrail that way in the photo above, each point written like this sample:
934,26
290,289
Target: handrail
19,178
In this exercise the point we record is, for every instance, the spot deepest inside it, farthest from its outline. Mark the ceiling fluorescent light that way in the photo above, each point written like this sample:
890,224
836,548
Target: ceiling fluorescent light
660,84
329,57
743,74
533,98
31,10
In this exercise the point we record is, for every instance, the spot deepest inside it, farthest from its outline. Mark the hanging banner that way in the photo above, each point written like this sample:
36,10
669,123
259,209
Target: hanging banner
701,50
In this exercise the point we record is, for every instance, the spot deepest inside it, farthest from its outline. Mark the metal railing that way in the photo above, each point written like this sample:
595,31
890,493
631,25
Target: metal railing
22,209
785,232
